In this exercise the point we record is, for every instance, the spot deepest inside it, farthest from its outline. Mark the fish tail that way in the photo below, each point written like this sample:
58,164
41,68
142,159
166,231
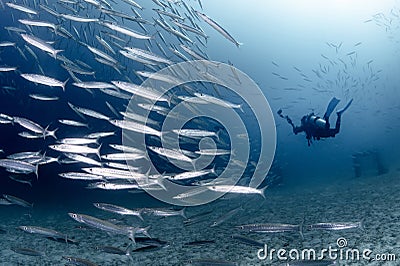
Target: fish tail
64,84
301,227
36,171
238,44
98,151
263,191
182,212
144,231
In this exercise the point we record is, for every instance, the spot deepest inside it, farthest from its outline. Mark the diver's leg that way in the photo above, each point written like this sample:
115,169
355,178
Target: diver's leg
337,126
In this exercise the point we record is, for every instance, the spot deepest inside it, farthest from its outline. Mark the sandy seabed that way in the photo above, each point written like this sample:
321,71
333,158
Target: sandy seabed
373,200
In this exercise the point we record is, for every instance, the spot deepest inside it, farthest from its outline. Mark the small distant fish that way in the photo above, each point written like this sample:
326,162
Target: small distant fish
357,44
336,226
351,53
27,251
272,228
118,209
18,201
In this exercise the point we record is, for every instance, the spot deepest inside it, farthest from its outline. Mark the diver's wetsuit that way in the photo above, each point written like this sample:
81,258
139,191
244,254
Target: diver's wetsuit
313,131
316,127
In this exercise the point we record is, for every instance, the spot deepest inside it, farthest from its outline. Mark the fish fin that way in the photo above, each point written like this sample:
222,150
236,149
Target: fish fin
144,231
36,173
263,191
362,225
64,84
98,151
56,52
182,212
301,227
238,44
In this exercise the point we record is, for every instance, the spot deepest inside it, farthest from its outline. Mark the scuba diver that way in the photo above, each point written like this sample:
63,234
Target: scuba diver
316,127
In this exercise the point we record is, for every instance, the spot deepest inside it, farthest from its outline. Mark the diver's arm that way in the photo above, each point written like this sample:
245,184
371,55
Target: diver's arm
296,130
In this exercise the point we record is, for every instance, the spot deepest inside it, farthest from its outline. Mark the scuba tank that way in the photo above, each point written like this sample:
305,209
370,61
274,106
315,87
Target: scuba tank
317,121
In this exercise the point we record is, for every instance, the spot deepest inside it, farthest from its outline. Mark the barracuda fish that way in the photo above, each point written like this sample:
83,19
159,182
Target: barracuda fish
69,148
72,123
137,58
112,186
217,27
148,55
81,176
38,23
109,227
172,154
22,8
195,133
18,201
123,156
220,102
133,3
193,174
82,159
42,45
136,127
194,54
191,29
118,209
165,212
7,69
237,189
271,228
27,251
169,14
7,44
78,141
19,166
23,155
336,226
126,148
101,54
45,232
97,135
78,18
111,173
126,31
144,92
44,80
42,97
91,113
213,152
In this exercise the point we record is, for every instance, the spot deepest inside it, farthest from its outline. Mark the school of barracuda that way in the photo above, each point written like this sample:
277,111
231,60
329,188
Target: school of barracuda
118,48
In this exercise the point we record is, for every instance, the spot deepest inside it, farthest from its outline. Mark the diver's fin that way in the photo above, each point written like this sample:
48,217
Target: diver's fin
345,108
331,106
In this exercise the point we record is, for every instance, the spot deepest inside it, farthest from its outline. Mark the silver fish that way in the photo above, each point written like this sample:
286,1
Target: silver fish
118,209
18,201
217,27
44,80
19,166
42,45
